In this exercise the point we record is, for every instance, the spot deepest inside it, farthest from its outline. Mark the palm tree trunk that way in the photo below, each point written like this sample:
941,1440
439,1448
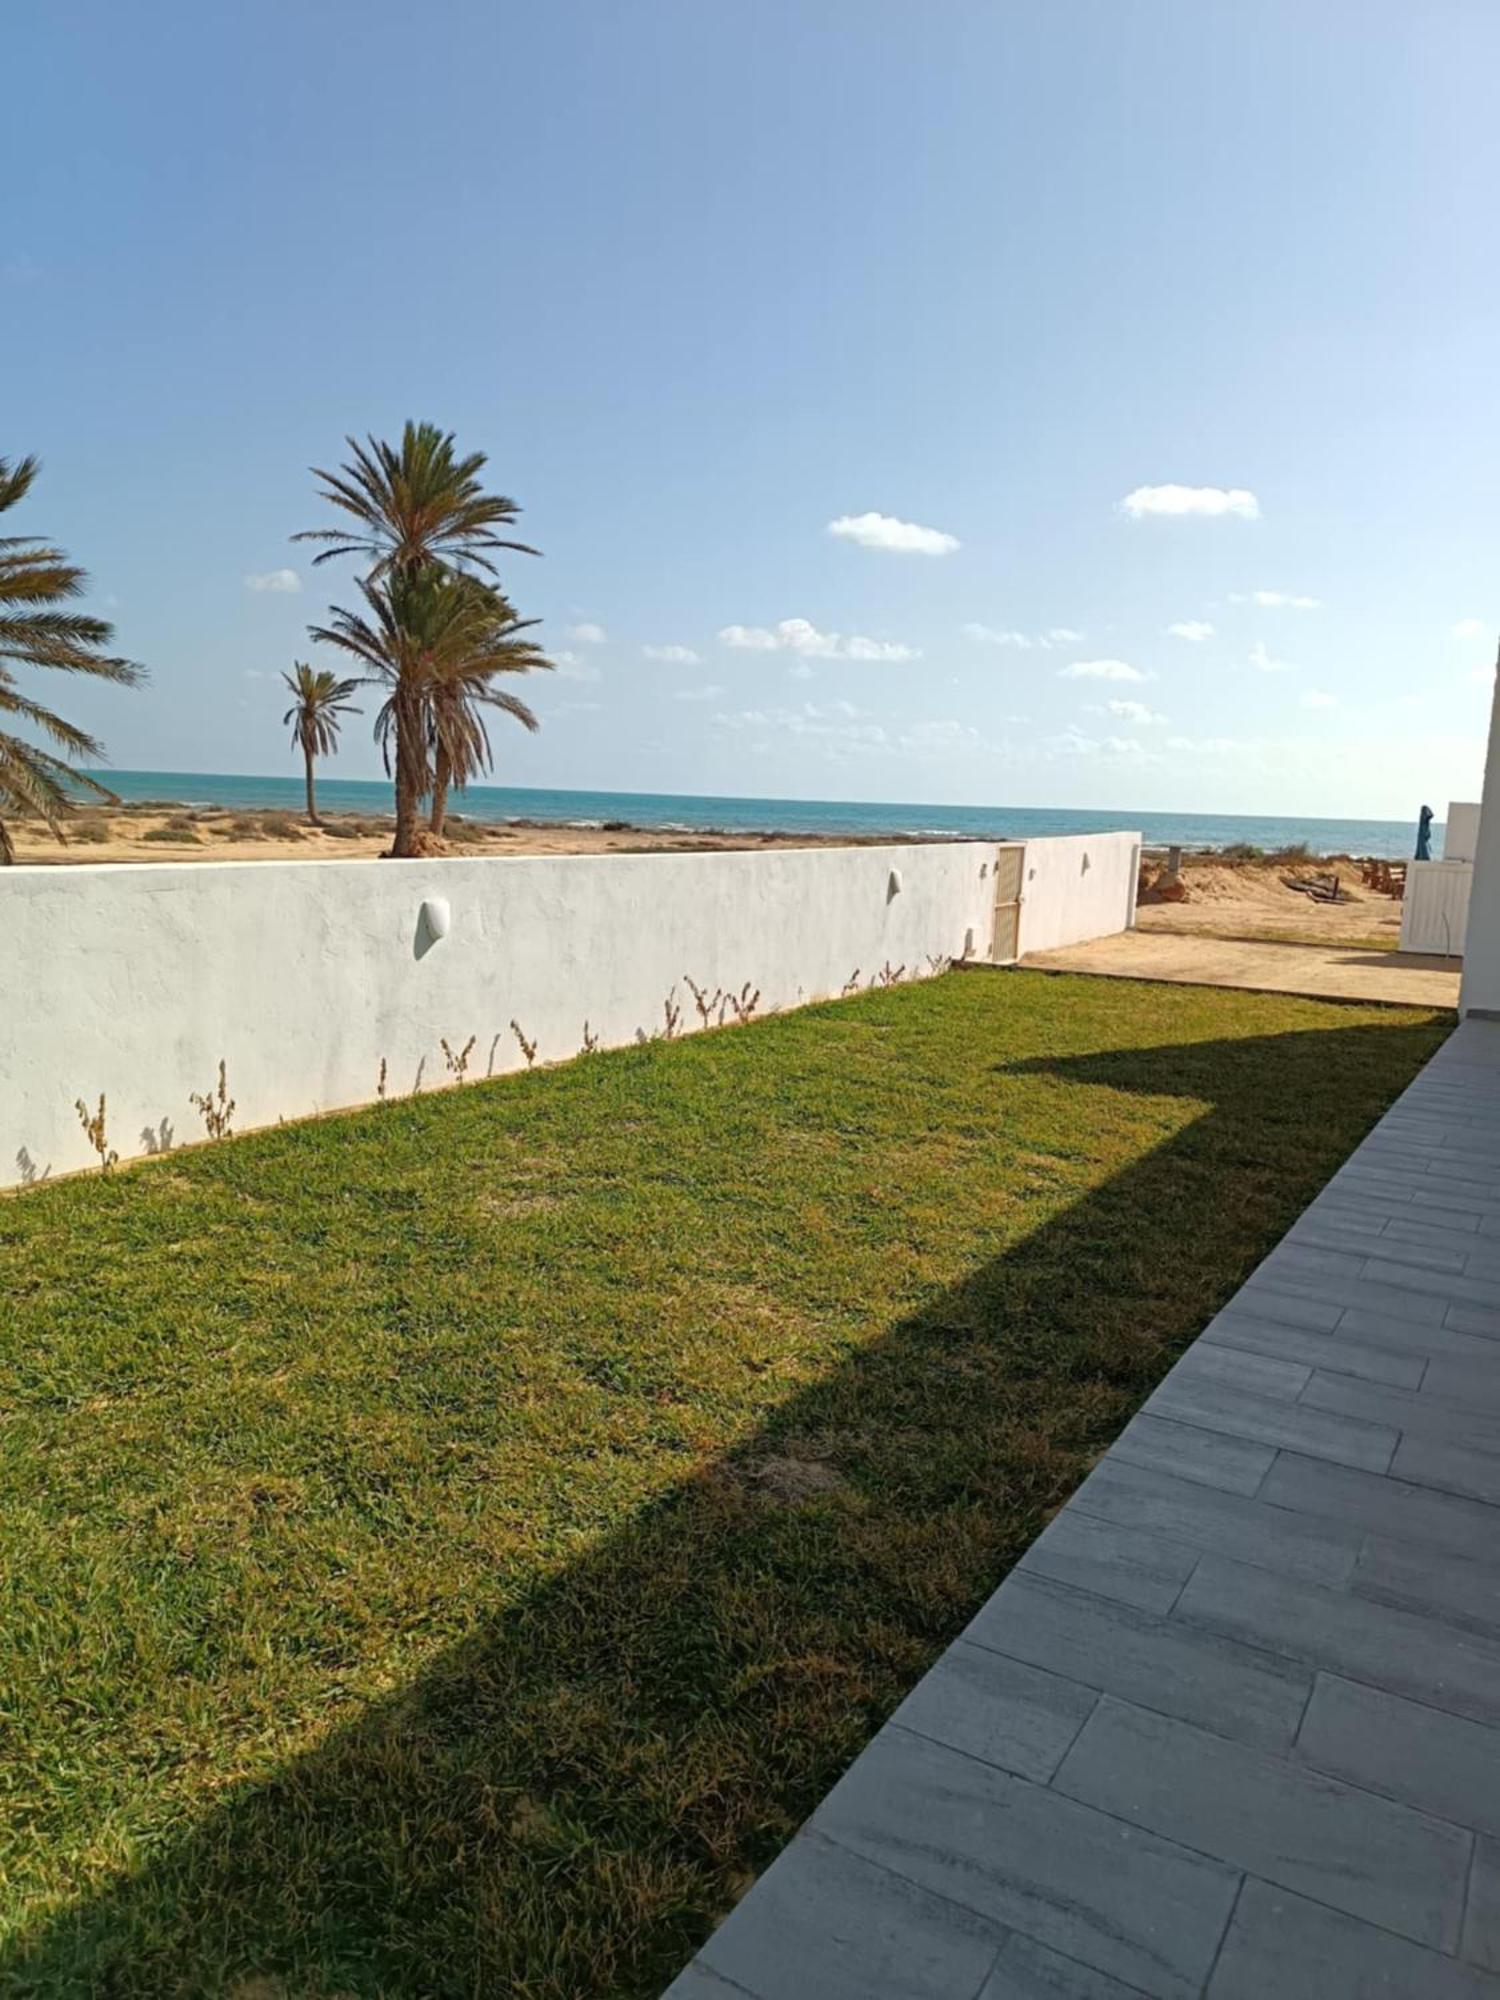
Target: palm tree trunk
410,723
312,803
441,781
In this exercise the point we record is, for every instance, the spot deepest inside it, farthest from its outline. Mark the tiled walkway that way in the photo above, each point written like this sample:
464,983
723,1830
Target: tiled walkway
1233,1725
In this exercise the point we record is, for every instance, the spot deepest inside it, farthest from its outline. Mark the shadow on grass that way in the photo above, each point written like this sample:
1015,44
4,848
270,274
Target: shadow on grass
563,1804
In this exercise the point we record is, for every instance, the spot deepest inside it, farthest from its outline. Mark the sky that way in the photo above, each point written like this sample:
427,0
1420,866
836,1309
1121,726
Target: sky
1085,405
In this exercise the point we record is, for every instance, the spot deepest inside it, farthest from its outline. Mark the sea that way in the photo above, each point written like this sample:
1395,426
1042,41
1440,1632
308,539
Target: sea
685,812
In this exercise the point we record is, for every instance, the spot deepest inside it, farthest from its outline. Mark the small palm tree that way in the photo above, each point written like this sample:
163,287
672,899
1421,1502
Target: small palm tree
322,701
35,580
418,633
414,506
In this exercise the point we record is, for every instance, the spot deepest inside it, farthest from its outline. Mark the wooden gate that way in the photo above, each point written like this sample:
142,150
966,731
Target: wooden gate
1010,868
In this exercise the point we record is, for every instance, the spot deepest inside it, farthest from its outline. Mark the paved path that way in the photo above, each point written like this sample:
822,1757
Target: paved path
1339,972
1232,1727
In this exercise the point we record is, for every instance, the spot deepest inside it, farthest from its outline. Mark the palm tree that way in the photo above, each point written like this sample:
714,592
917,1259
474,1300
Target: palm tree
434,639
322,701
35,580
417,515
419,505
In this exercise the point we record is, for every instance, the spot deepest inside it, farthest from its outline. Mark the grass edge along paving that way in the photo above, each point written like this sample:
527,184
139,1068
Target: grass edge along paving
449,1548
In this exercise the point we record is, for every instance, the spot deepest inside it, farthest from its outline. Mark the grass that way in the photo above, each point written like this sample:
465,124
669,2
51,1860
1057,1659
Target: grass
446,1550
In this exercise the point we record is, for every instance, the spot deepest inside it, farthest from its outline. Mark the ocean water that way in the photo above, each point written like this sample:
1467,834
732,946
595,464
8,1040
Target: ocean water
685,812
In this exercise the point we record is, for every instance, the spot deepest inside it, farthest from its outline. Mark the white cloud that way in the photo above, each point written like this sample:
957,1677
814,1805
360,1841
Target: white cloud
1276,600
588,633
835,727
884,531
1023,642
799,636
1469,628
282,582
699,693
1207,501
1203,746
1262,662
1194,630
675,656
571,667
1101,670
1134,711
1315,698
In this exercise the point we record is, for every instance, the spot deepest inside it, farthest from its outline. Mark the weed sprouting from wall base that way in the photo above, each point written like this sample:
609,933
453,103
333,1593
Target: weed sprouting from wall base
703,1000
528,1049
93,1124
672,1014
851,984
590,1042
380,1083
744,1003
216,1107
457,1059
892,975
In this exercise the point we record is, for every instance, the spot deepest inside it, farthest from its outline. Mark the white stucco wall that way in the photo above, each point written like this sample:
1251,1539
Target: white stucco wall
1078,887
134,981
1460,831
1479,991
1435,907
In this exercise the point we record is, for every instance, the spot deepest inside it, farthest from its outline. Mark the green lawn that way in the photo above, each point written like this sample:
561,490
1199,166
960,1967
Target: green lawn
447,1549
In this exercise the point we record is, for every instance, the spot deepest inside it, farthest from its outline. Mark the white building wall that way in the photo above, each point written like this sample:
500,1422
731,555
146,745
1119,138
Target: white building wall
1460,831
1480,990
302,976
1079,887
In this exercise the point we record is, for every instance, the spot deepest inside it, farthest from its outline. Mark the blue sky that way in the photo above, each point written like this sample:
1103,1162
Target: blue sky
705,278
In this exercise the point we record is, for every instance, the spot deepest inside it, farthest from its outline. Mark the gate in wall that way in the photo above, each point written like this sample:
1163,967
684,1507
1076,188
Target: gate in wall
1010,870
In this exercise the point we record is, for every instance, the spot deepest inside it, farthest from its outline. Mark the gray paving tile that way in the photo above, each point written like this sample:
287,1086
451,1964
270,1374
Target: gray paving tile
1263,1420
1393,1332
1450,1286
1225,1524
1211,1457
1148,1659
1291,1309
1319,1289
1139,1908
1449,1467
1463,1229
1282,1947
987,1705
1400,1369
1481,1321
1362,1219
1439,1763
1411,1412
1326,1236
825,1921
1112,1561
1481,1941
1342,1633
1241,1368
696,1982
1367,1856
1476,1384
1292,1254
1026,1970
1382,1506
1456,1590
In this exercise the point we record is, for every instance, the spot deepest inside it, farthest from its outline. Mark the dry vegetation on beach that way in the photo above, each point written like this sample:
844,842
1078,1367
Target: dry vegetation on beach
166,832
